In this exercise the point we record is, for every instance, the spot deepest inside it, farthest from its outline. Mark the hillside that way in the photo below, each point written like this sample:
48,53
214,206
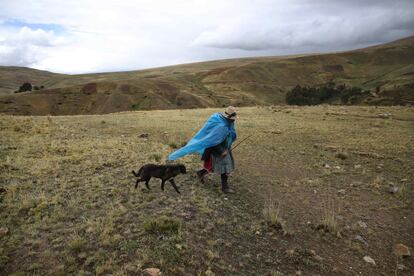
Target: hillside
387,69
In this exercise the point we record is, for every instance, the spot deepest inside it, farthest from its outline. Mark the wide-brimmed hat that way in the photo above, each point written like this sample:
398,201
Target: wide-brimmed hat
230,112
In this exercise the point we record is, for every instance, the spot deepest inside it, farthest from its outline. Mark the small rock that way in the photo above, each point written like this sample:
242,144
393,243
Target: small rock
277,132
151,271
131,268
404,180
298,273
402,250
341,191
186,215
4,231
357,166
360,239
318,258
143,135
370,260
393,189
290,252
82,255
384,115
257,233
401,267
326,166
362,224
341,155
209,272
337,167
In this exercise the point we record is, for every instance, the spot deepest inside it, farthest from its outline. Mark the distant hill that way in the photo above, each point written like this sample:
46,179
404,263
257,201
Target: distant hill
387,70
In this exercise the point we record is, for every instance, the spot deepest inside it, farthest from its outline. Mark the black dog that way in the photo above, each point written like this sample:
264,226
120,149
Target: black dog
164,172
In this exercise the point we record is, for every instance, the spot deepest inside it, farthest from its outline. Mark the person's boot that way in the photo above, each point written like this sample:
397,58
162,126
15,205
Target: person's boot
200,174
224,185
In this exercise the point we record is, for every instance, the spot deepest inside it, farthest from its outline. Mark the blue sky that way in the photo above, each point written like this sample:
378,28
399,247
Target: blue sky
17,24
97,35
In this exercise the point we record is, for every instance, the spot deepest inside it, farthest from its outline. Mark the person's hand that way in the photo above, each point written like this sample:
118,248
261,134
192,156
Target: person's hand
225,153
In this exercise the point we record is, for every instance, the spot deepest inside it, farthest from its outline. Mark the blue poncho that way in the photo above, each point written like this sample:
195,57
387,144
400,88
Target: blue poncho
214,131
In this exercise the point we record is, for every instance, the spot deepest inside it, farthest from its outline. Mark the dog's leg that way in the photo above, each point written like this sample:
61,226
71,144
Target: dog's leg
146,184
136,184
162,184
173,184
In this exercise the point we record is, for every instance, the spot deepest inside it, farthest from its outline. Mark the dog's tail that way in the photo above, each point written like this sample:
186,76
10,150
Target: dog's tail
138,173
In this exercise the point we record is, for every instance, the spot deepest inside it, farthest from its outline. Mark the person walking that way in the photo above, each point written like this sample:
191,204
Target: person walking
213,141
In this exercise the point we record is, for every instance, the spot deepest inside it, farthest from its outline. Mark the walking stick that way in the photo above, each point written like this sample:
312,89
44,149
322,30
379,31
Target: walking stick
238,144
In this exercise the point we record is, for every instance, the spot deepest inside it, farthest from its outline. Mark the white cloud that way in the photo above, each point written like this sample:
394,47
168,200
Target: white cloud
24,46
97,35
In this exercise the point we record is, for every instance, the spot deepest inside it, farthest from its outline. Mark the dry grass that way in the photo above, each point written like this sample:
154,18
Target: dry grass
328,220
70,206
271,214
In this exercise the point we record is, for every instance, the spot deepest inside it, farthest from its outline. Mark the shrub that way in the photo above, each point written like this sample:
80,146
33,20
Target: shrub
161,225
352,95
27,86
326,93
271,214
328,220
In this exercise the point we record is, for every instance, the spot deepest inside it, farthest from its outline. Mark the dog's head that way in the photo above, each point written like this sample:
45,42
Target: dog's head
183,169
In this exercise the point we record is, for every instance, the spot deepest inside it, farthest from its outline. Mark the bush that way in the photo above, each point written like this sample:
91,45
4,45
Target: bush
327,93
351,95
27,86
312,95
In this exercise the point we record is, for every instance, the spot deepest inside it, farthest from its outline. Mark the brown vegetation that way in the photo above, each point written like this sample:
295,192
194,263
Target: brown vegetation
386,71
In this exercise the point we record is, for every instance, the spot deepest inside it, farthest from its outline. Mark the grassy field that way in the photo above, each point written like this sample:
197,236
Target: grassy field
312,194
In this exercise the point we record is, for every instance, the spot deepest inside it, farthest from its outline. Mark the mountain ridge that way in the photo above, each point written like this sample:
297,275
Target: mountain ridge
241,82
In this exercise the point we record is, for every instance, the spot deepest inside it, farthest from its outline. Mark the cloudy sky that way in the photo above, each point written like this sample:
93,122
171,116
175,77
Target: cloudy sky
83,36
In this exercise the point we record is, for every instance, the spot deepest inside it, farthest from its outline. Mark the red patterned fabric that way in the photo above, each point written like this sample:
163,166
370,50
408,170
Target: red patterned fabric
208,164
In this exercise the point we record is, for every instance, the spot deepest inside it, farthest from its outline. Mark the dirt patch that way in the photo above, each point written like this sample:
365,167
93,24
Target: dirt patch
333,68
89,88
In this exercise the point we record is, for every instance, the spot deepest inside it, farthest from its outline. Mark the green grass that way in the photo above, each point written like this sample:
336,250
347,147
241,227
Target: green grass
161,225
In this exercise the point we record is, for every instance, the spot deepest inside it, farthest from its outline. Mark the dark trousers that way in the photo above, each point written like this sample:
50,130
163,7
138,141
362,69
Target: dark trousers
224,184
224,178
